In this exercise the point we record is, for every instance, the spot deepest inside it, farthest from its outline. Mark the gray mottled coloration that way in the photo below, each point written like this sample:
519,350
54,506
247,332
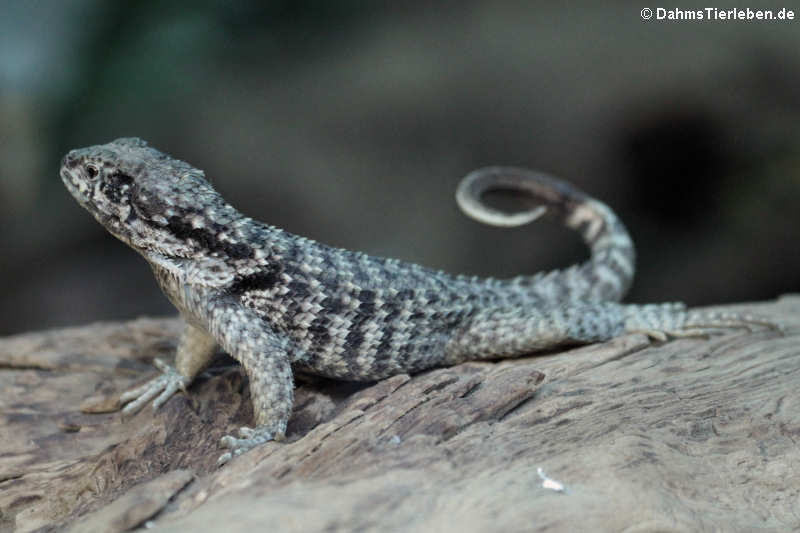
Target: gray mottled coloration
278,302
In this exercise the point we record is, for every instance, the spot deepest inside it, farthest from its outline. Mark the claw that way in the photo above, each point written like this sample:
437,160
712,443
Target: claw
246,433
248,439
224,458
161,388
655,334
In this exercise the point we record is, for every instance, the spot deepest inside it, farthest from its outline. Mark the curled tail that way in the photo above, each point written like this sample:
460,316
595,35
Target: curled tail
609,272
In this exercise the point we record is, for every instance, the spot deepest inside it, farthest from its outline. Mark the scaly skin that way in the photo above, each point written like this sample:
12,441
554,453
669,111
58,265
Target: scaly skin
278,302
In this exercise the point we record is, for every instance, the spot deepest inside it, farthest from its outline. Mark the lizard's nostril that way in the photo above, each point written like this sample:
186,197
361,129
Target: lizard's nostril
68,161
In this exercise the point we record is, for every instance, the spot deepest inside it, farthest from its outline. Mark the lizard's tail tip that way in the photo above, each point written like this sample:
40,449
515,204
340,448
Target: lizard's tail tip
547,189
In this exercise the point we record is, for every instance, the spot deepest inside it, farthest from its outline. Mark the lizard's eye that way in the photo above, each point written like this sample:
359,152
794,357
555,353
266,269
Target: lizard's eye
92,171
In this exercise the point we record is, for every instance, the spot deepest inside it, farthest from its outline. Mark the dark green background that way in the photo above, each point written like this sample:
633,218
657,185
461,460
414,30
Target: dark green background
352,123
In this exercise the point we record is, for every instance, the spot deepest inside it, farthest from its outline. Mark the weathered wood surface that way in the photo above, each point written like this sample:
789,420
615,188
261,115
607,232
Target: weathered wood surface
693,434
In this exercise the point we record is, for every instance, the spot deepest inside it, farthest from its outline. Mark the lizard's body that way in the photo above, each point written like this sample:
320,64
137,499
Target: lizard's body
277,302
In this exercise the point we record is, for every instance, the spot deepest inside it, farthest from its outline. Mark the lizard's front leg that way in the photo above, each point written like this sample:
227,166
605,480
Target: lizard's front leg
266,357
272,393
195,350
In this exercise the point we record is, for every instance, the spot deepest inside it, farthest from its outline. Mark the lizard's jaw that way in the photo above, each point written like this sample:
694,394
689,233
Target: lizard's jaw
77,187
82,191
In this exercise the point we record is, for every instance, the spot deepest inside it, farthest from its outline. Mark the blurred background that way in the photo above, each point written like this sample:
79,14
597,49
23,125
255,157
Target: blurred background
352,123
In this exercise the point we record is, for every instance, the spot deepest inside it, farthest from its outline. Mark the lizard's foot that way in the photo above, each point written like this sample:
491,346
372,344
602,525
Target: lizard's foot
660,322
163,386
703,323
248,439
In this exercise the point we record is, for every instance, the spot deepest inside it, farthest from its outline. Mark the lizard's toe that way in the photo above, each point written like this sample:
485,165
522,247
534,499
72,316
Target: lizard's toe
249,439
663,321
161,388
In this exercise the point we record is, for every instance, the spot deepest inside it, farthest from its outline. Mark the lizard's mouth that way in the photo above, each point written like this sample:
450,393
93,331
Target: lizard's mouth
76,186
81,190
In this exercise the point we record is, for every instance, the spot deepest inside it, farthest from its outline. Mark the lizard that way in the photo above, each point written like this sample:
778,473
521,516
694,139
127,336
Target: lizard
282,304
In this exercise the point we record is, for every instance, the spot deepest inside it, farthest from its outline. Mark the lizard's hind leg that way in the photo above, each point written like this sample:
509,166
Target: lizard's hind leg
511,332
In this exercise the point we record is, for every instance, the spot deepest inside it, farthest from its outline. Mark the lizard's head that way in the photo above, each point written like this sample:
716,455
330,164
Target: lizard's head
148,200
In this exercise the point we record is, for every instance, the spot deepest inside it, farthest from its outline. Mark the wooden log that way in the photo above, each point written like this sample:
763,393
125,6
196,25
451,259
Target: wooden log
687,435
